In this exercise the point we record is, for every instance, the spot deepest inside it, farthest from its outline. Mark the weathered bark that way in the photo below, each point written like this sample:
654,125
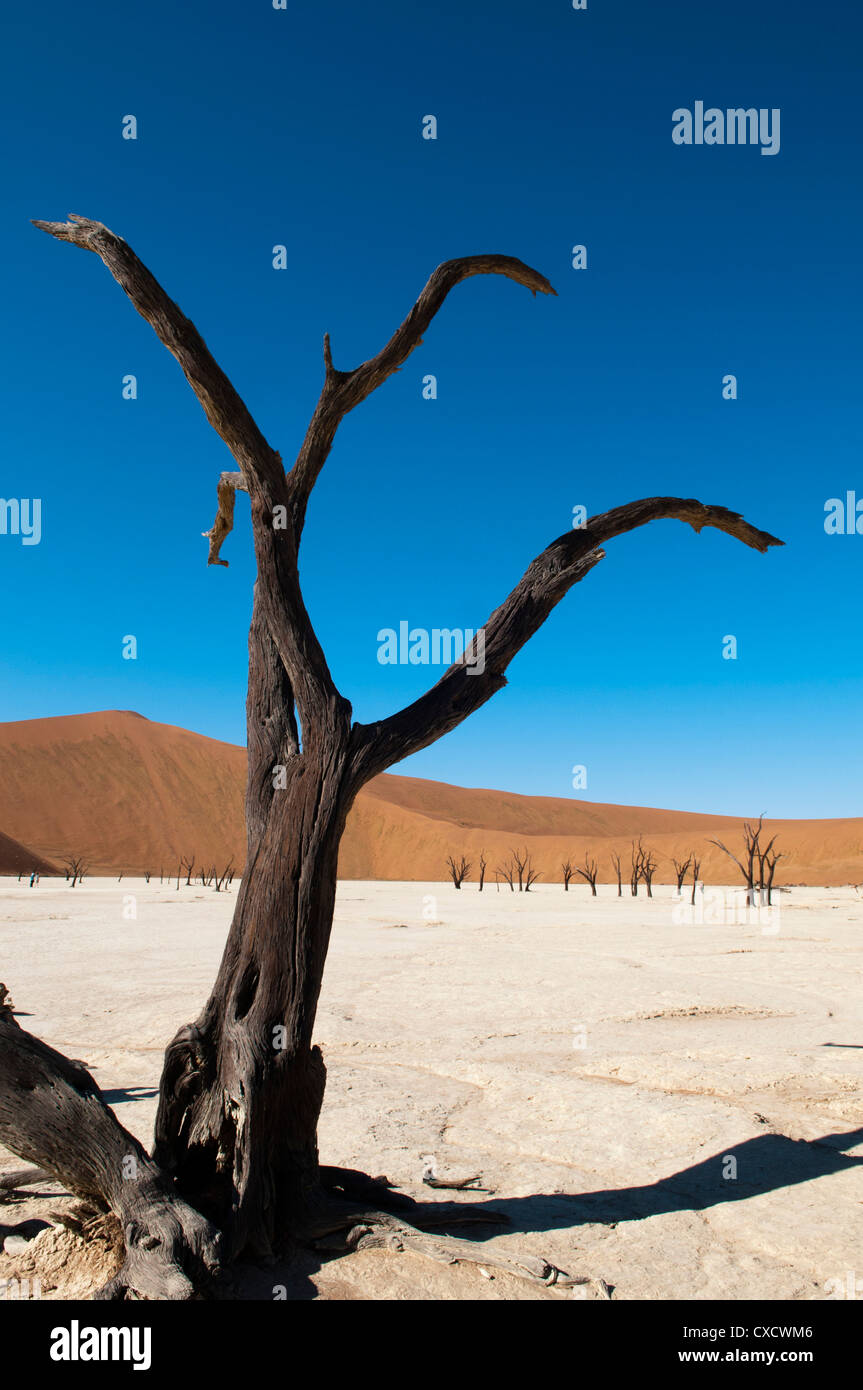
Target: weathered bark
242,1086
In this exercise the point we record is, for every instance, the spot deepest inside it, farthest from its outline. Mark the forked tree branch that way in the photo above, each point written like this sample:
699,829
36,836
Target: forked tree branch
547,579
262,472
344,390
463,689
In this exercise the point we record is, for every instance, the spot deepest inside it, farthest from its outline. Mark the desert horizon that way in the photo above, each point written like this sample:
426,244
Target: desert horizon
129,795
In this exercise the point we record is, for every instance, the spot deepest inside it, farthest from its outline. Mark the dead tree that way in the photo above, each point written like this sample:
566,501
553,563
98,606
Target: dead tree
615,859
752,865
458,871
520,859
507,873
696,870
568,871
219,882
147,876
649,865
483,865
681,869
530,874
235,1162
589,872
636,867
75,869
767,861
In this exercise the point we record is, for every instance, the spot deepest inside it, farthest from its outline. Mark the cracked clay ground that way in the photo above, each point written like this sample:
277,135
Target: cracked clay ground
671,1108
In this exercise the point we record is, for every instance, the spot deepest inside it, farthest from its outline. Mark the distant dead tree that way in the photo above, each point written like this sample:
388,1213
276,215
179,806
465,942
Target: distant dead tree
588,872
75,869
147,876
483,865
767,868
681,869
615,859
649,864
220,880
568,871
188,865
696,870
458,872
530,874
635,870
235,1170
520,859
506,871
755,865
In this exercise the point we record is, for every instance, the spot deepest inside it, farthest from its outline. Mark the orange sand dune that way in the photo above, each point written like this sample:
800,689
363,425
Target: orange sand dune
132,796
18,859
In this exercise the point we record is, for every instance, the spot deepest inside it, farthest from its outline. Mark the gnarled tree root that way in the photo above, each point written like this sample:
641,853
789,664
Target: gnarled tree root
53,1114
342,1226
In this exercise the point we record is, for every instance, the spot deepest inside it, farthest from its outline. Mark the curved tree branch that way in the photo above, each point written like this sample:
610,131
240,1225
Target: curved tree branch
223,406
262,472
465,687
344,390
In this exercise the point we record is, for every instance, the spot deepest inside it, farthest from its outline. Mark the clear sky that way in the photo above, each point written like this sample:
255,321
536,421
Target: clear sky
303,127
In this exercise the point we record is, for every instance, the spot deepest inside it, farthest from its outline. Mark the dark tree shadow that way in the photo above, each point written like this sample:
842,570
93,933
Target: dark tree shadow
764,1164
129,1093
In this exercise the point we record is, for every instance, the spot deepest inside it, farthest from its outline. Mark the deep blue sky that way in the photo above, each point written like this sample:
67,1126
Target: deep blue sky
302,127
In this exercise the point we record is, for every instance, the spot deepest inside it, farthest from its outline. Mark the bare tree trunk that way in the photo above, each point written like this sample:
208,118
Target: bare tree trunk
520,860
615,859
242,1086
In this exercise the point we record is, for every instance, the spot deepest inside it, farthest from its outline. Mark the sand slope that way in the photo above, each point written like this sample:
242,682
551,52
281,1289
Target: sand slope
133,796
18,859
